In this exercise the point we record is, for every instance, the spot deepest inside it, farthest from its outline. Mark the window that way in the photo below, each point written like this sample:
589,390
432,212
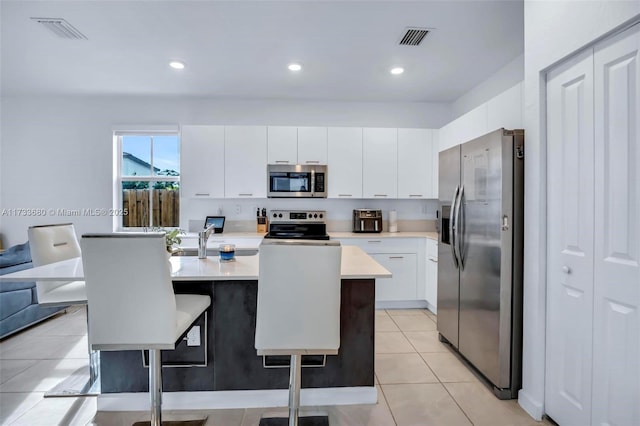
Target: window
147,179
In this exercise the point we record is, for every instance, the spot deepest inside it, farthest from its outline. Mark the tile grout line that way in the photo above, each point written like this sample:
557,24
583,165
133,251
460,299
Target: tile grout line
388,405
457,403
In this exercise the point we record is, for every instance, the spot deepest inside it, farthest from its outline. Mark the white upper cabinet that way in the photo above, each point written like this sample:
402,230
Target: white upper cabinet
435,155
415,163
245,161
282,145
297,145
345,162
503,110
380,163
312,145
202,161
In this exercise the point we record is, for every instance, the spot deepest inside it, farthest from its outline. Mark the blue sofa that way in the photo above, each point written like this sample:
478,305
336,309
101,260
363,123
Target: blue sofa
18,300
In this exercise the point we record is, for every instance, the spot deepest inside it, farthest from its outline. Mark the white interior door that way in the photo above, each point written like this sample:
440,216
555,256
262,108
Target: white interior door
616,340
570,220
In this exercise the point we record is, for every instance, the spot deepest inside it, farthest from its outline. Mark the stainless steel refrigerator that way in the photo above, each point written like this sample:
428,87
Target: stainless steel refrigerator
481,190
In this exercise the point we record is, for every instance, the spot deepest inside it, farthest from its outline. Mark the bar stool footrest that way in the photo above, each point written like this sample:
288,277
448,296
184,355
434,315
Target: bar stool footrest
200,422
302,421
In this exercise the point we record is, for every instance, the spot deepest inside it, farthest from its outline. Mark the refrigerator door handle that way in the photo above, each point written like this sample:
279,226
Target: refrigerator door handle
452,228
457,243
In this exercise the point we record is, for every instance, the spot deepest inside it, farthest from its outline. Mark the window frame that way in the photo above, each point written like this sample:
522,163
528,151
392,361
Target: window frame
119,179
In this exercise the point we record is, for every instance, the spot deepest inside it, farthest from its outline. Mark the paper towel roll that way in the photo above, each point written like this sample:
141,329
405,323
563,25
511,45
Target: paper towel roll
393,221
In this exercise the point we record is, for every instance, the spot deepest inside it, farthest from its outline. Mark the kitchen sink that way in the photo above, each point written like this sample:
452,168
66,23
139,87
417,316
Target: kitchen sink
215,252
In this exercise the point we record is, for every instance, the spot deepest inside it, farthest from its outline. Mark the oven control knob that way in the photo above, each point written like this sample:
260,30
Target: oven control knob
280,215
320,215
315,215
275,215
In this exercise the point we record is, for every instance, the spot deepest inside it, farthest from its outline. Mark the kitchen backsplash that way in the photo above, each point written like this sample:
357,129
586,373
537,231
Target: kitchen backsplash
413,215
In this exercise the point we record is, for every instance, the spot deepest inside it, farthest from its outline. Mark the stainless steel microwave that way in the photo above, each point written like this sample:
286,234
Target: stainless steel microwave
296,181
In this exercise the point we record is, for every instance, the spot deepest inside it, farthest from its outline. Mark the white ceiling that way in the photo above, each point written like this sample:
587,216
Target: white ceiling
240,49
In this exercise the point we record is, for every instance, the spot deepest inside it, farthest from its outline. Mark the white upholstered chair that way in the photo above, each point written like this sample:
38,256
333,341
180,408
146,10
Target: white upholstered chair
132,305
298,310
54,243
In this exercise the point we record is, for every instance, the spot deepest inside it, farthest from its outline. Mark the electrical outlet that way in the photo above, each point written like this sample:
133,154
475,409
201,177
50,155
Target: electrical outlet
238,208
193,336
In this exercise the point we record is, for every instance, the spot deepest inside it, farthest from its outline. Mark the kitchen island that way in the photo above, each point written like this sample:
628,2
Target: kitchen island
224,371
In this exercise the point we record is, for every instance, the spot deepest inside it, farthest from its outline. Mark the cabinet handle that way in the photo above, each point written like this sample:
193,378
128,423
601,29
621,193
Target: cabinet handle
202,194
379,195
415,195
312,162
245,195
282,161
396,257
433,260
345,195
374,241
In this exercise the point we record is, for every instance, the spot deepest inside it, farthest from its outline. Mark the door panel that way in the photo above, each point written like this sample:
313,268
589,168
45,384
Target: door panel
448,274
480,243
616,373
570,179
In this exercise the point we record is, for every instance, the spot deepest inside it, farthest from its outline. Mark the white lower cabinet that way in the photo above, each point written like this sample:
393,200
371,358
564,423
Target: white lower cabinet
404,258
431,275
402,285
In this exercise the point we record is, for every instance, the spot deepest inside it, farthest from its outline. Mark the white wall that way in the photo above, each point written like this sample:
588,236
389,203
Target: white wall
505,78
56,152
553,30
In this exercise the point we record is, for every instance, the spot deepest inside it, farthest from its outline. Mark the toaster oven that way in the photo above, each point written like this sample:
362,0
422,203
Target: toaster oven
366,220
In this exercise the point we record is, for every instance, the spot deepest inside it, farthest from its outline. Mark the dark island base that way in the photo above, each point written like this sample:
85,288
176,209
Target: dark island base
232,362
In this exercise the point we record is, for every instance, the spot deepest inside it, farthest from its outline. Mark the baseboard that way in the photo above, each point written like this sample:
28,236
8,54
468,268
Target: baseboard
528,404
212,400
402,304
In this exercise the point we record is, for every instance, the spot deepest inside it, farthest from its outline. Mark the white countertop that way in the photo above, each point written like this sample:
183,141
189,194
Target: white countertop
355,264
407,234
246,240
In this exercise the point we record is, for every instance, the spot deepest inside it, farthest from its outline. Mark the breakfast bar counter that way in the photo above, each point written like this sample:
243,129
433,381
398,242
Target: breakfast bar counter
217,366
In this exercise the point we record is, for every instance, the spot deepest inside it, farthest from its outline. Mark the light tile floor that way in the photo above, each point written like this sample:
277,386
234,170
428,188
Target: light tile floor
420,382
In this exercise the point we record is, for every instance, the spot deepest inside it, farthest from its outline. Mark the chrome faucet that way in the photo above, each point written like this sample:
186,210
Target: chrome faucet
203,238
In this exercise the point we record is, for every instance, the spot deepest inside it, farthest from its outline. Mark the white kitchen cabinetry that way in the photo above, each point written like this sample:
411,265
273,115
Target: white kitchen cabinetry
380,163
504,110
593,237
435,156
202,161
344,162
401,257
282,145
245,162
312,145
415,162
431,275
402,284
297,145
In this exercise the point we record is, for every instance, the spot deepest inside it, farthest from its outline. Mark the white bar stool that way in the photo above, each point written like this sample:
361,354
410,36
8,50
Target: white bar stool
54,243
132,305
298,310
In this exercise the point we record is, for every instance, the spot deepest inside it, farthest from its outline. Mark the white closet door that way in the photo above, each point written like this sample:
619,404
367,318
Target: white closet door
616,354
570,241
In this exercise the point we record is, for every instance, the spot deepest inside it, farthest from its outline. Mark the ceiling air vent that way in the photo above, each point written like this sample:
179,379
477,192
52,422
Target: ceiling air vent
60,28
413,36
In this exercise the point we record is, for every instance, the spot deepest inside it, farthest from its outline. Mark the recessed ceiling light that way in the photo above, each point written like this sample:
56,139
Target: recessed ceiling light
397,70
295,67
176,65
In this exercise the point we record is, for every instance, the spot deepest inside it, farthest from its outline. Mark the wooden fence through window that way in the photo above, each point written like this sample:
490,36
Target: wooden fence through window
166,207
